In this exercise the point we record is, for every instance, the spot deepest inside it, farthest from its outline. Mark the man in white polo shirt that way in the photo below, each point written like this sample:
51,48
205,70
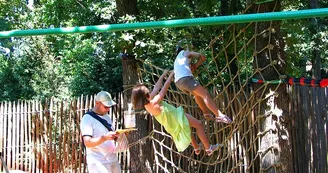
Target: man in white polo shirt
98,139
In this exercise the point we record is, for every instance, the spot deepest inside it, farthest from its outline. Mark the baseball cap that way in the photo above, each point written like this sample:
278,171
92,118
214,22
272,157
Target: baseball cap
105,98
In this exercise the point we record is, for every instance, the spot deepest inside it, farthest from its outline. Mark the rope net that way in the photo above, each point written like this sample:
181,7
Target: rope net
226,75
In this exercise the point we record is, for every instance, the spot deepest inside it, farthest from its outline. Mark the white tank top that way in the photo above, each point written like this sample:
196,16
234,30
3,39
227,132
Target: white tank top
181,67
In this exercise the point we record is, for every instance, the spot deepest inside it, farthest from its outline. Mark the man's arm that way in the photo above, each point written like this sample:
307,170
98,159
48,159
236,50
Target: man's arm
92,142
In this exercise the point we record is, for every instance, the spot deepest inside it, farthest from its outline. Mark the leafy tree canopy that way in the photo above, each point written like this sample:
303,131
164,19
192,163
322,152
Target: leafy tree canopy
75,64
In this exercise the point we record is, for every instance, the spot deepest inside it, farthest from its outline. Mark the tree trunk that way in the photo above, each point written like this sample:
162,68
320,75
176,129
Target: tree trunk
140,155
126,7
316,59
224,7
275,146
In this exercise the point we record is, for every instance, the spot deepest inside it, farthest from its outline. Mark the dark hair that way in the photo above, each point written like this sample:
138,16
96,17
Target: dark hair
179,49
139,96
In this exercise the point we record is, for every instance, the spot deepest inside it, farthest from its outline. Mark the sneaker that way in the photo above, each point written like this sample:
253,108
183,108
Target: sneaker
198,150
223,119
212,148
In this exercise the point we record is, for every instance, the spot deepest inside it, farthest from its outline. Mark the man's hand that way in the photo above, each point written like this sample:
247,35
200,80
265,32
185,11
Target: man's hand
111,135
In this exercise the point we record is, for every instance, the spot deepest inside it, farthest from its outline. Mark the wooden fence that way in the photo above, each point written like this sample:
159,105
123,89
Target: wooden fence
44,136
309,129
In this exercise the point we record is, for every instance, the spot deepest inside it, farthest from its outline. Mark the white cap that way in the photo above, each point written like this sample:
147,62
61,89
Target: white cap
105,98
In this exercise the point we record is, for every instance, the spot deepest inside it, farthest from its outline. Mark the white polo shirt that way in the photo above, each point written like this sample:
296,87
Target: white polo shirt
103,153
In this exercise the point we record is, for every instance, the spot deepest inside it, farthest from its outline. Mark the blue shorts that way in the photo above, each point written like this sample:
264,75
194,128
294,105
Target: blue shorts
187,84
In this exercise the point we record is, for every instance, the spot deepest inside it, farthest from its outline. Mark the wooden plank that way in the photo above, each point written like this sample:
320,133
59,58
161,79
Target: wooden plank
68,132
36,136
60,142
305,102
325,110
124,156
322,146
300,130
46,135
14,136
29,129
33,136
314,135
26,144
83,107
44,114
9,137
6,127
295,125
21,136
2,121
51,157
71,136
75,136
78,120
326,116
56,164
65,136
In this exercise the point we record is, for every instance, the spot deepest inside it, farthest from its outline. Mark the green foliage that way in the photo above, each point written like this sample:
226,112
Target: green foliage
66,13
71,65
10,13
8,79
35,69
91,67
300,41
86,63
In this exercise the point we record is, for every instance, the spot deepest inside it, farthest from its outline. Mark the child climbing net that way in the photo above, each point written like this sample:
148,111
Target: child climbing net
175,120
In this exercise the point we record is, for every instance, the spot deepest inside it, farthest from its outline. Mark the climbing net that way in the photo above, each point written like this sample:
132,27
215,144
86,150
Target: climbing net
232,65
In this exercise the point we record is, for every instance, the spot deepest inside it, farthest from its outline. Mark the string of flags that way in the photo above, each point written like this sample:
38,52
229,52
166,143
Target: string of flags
292,81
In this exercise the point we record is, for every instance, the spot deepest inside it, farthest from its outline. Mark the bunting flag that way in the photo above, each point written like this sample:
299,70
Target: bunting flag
292,81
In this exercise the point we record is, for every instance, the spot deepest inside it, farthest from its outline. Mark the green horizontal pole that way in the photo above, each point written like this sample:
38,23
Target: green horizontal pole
219,20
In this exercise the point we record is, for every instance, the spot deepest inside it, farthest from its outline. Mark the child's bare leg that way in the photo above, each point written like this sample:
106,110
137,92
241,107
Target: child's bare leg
193,142
199,130
197,148
199,91
200,102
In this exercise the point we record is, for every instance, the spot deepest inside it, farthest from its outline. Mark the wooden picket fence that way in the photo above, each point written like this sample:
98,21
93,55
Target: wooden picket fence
309,130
